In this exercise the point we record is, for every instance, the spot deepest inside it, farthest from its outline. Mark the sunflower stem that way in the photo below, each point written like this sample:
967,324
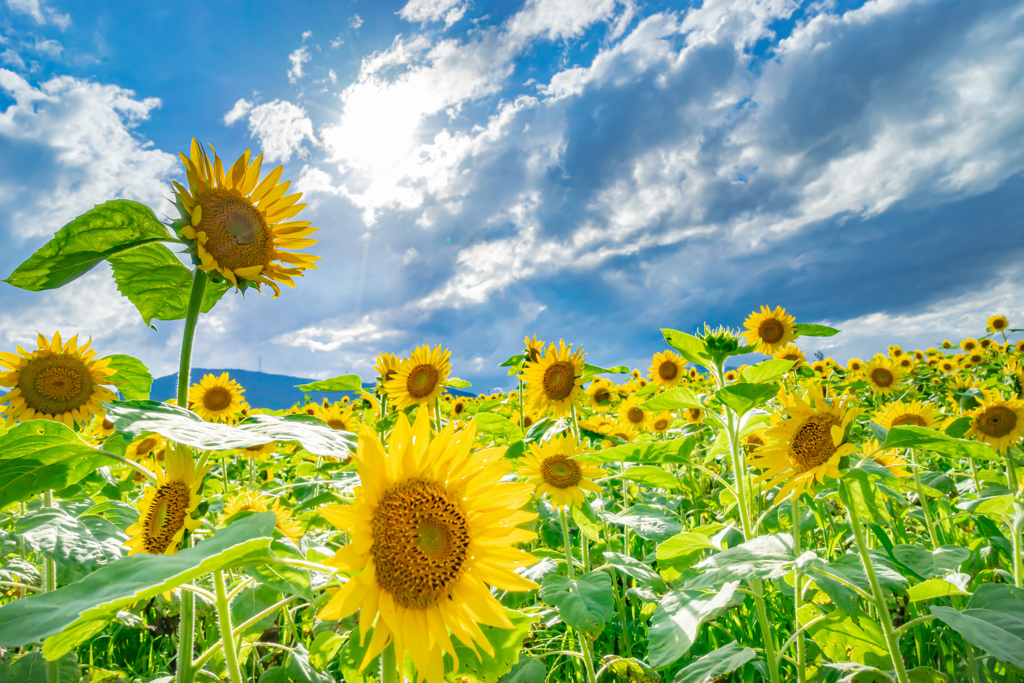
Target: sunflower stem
567,544
389,671
226,632
924,502
49,585
437,414
881,607
1011,473
797,592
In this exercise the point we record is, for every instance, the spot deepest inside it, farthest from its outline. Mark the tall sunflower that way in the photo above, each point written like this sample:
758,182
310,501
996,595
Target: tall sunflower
631,413
791,352
420,377
667,369
661,421
216,399
552,467
431,525
882,376
770,330
340,417
534,348
809,439
913,413
555,382
252,501
58,381
165,510
998,422
238,226
387,366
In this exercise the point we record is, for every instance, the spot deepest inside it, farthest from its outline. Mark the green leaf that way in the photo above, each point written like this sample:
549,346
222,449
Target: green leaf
934,588
132,378
529,670
70,541
959,427
859,491
766,371
811,330
185,427
584,603
652,524
457,383
673,399
651,475
588,523
71,614
683,544
674,450
496,425
678,618
31,668
507,644
993,502
909,436
296,669
339,383
513,361
252,600
104,231
40,454
843,637
323,648
992,621
159,284
931,563
589,369
714,664
765,557
743,397
630,566
689,347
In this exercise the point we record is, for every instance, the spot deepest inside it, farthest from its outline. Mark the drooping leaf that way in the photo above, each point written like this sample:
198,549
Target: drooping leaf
812,330
993,621
766,371
689,347
674,450
252,600
653,524
587,521
529,670
132,378
716,663
934,588
31,668
858,490
70,541
632,567
457,383
72,613
843,637
765,557
678,618
683,544
909,436
679,398
104,231
584,603
297,668
743,397
339,383
931,563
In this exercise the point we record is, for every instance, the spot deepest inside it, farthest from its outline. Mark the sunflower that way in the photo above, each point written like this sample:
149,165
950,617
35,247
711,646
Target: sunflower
601,391
555,382
430,526
997,323
948,365
144,447
906,362
387,366
59,381
165,510
914,413
216,399
660,422
1018,346
534,349
968,345
809,439
528,419
895,350
667,369
552,467
887,459
998,422
854,365
339,417
770,330
420,377
237,226
250,501
755,440
822,367
791,352
986,343
100,428
694,416
459,406
631,413
256,452
882,376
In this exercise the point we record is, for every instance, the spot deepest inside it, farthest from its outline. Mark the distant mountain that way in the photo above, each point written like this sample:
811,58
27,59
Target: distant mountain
263,390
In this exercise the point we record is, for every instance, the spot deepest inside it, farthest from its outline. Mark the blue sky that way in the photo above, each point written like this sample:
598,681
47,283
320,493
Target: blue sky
592,170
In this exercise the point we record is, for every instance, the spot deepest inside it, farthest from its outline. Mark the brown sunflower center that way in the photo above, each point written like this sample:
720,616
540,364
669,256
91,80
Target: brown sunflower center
996,421
420,543
527,421
107,424
635,415
57,384
166,516
771,331
998,324
602,395
812,444
754,442
146,445
237,234
882,377
337,424
661,424
559,380
560,471
217,398
693,413
422,381
909,419
668,370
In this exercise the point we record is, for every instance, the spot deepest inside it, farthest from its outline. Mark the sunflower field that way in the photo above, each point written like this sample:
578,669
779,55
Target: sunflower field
692,521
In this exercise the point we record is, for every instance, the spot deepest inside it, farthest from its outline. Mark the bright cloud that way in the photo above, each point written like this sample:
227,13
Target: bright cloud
39,12
298,59
281,128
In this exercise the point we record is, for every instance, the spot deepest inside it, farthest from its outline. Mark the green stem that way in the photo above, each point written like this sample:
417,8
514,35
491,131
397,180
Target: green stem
226,632
437,414
567,544
389,671
881,607
924,502
797,593
1011,473
620,600
1017,560
49,585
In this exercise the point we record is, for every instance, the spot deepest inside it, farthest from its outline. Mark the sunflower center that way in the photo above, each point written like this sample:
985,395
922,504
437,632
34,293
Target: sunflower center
559,380
560,472
771,331
422,381
881,377
693,413
635,415
668,370
458,408
996,421
420,543
217,398
527,422
53,385
660,424
998,324
107,424
602,395
812,444
237,234
909,419
337,424
146,445
166,516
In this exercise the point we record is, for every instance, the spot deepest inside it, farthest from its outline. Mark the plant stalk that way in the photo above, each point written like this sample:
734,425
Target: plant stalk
924,502
389,671
50,585
798,593
226,632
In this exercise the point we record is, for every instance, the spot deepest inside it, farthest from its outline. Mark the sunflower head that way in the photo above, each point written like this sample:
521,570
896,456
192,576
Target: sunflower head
883,376
968,345
552,467
600,392
420,378
340,417
770,329
854,365
534,348
913,413
887,459
165,511
631,413
239,227
667,369
997,323
999,423
216,399
791,352
895,350
555,382
59,381
660,422
387,366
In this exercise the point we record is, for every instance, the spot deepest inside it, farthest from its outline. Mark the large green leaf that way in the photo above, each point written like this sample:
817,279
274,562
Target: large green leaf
689,347
935,588
159,284
766,371
714,664
339,383
843,637
589,369
653,524
909,436
678,618
71,614
673,399
743,397
931,563
765,557
632,567
858,490
491,423
72,542
812,330
683,544
674,450
132,378
297,668
38,455
183,426
651,475
507,644
104,231
31,668
993,621
584,603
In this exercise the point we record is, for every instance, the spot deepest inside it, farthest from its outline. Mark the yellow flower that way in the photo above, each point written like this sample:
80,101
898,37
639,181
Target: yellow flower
420,377
809,439
791,352
968,345
58,381
252,501
770,330
914,413
854,365
997,323
667,369
552,467
165,510
387,366
887,459
340,418
237,226
895,350
660,422
555,382
216,399
600,391
144,446
632,414
755,440
693,415
534,349
948,365
999,423
882,376
431,525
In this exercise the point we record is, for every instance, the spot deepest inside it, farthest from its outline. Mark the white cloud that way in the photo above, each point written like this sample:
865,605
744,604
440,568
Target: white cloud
355,22
321,338
239,111
9,56
298,58
281,128
40,13
86,131
426,11
306,35
559,19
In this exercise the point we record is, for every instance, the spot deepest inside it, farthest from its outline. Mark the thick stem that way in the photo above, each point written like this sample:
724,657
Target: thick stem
924,502
798,593
567,544
620,600
49,585
1011,473
389,671
881,607
226,632
1017,560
